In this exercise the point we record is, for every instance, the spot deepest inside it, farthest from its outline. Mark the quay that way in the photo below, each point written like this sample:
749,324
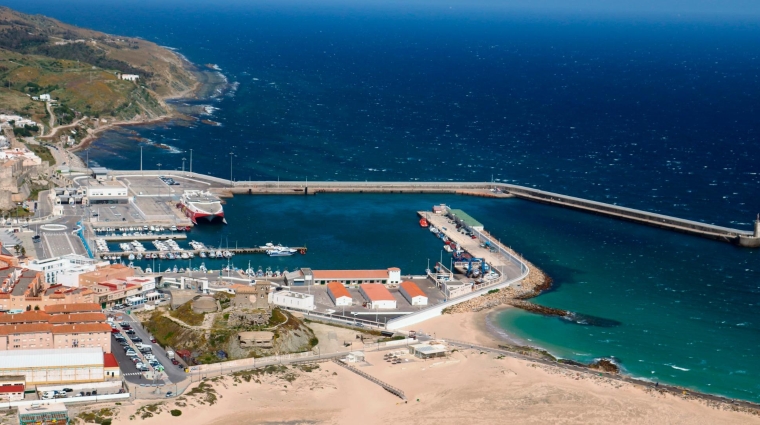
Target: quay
224,187
139,237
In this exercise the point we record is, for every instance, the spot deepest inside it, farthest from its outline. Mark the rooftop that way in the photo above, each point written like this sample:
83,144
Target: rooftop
109,360
73,308
412,289
377,292
338,290
77,318
82,328
465,218
11,388
350,274
60,357
25,317
25,328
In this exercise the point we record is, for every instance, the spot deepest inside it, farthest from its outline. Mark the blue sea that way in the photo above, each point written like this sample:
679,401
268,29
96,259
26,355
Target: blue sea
656,111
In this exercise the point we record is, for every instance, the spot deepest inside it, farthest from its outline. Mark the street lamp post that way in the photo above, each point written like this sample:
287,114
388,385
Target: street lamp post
191,161
183,165
231,153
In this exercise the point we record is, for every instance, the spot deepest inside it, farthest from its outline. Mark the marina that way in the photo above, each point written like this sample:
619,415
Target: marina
223,187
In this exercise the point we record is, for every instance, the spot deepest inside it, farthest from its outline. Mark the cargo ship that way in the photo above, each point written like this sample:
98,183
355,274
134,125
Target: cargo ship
199,205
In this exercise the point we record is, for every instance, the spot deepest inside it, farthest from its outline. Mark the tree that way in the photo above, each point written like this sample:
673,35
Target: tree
36,308
17,248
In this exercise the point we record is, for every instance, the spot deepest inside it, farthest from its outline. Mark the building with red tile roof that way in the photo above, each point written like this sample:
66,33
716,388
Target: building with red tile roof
377,296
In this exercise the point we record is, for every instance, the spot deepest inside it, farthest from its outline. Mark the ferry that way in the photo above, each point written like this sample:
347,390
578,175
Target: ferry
279,252
198,205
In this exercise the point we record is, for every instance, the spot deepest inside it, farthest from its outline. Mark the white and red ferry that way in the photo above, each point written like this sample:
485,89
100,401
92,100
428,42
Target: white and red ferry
198,205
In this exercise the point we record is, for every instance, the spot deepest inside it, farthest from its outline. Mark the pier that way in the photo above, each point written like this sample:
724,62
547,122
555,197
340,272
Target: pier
196,252
224,187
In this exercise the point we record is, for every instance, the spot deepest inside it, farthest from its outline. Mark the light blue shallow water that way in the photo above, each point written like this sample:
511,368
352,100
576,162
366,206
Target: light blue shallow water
658,115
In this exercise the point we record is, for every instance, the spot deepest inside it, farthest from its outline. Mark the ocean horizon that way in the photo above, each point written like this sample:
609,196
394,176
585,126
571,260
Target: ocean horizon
652,112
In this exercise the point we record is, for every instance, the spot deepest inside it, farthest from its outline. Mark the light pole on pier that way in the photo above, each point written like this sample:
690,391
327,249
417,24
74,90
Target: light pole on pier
191,161
231,153
159,166
141,157
183,165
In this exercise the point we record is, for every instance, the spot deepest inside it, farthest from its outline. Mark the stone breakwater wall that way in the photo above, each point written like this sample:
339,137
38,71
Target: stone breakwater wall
535,283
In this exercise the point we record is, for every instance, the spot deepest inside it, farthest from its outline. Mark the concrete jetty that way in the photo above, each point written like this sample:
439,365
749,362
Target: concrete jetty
224,187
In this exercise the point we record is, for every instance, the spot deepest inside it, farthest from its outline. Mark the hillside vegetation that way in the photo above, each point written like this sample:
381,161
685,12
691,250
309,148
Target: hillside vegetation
80,69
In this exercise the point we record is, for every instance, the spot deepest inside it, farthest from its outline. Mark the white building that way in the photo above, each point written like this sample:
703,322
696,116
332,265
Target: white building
413,293
293,300
64,270
130,77
107,192
52,366
339,294
45,97
377,296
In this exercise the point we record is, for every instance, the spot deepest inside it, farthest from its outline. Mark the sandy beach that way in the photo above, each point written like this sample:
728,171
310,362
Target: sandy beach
466,387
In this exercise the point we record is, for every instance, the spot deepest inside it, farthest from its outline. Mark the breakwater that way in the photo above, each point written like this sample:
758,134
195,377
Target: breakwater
224,187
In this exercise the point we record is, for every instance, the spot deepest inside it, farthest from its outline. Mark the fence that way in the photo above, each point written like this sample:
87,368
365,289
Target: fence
68,400
80,233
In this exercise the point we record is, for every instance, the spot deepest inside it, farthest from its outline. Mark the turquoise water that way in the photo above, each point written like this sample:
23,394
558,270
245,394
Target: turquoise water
657,113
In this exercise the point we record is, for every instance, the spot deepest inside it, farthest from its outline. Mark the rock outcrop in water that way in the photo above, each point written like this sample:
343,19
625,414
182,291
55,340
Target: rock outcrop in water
605,365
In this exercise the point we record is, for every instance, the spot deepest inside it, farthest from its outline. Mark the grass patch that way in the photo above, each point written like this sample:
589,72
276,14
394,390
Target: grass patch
186,314
393,338
102,416
43,152
205,393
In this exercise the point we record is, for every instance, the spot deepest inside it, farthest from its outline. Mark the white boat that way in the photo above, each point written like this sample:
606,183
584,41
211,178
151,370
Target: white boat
203,254
203,268
433,229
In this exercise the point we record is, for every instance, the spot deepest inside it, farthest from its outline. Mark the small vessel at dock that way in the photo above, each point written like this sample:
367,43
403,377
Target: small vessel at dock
424,222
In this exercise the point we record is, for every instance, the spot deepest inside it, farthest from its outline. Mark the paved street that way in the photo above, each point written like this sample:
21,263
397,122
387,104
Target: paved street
172,372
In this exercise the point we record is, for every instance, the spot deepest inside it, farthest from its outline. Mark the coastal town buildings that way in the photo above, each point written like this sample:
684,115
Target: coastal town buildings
12,387
65,269
102,274
64,326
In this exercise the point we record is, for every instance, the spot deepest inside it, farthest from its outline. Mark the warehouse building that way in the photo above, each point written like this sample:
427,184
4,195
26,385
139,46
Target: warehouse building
54,366
377,296
339,294
48,413
413,293
293,300
391,276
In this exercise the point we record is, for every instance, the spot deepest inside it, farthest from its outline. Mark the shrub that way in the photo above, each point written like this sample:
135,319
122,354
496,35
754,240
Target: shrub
176,412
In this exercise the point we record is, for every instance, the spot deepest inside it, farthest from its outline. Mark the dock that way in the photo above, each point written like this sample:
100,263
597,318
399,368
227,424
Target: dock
139,237
197,252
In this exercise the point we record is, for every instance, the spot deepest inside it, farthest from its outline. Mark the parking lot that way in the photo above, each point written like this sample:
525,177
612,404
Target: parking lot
128,368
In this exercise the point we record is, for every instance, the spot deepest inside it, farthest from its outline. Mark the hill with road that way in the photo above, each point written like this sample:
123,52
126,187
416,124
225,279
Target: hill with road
81,69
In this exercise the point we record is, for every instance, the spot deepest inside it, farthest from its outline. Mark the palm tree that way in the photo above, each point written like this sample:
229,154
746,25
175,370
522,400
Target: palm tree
17,248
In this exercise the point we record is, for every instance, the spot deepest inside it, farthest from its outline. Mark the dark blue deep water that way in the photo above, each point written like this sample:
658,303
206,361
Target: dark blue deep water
652,112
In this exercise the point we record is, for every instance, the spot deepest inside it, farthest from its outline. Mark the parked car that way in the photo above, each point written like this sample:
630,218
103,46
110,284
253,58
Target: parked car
67,390
135,338
139,365
175,362
115,331
150,357
153,340
144,369
130,352
169,394
130,332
